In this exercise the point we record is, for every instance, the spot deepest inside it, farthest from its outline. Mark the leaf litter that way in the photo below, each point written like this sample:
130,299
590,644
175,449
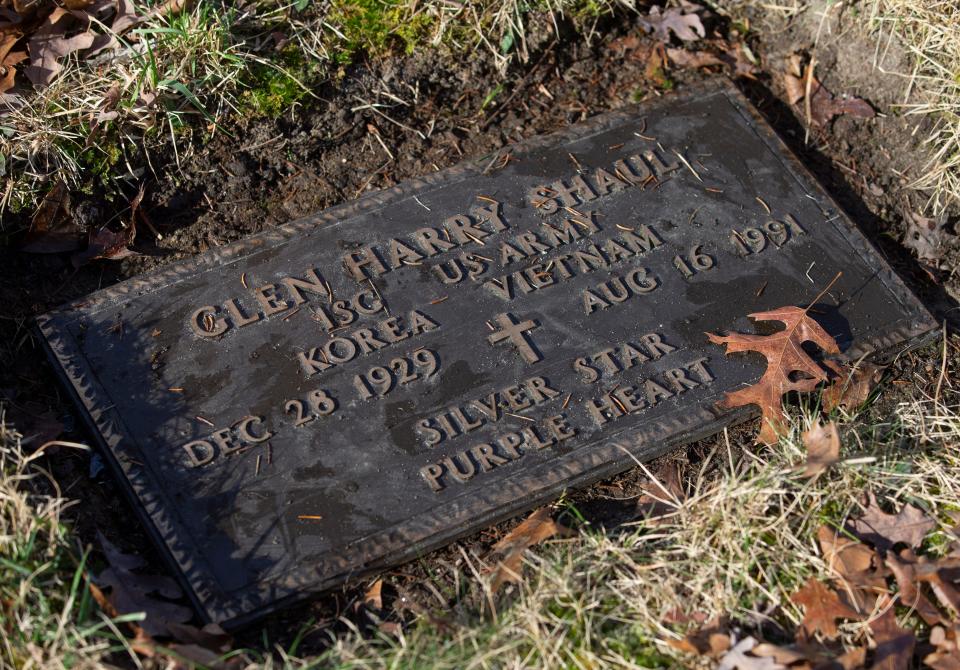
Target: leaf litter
681,21
536,528
123,588
853,391
45,33
820,105
133,591
823,448
871,564
872,579
909,526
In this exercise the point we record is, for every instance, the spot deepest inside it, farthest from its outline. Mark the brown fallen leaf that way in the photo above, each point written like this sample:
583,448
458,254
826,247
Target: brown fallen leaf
824,106
9,60
794,87
685,24
724,54
789,367
937,573
107,244
855,566
947,648
50,43
536,528
852,389
655,70
821,608
894,644
927,237
659,498
134,592
909,526
53,230
784,655
823,448
737,658
373,598
688,58
710,640
905,574
804,656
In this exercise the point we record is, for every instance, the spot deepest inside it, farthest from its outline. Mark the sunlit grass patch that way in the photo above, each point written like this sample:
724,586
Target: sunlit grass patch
930,32
202,69
47,619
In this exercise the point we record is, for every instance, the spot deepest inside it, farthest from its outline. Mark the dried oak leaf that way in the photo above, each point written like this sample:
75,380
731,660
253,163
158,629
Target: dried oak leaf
940,574
794,87
655,70
50,43
737,658
821,608
723,53
53,230
853,389
688,58
685,24
894,644
784,655
134,592
710,640
856,565
9,60
789,367
947,653
823,448
661,496
107,244
536,528
373,598
824,105
927,237
909,526
806,655
905,573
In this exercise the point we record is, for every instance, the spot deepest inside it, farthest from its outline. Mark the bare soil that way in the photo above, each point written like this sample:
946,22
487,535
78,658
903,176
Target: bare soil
265,172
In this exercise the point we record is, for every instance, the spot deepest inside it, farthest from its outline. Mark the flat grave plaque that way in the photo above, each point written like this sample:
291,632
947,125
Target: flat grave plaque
350,390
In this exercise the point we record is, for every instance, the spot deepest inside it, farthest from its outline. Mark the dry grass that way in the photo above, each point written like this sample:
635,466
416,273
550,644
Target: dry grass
46,619
930,31
185,76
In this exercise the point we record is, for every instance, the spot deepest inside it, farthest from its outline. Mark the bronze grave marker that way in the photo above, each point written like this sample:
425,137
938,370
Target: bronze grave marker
355,388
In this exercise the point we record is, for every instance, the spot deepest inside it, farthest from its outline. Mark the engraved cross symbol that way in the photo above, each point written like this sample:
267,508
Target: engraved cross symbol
516,333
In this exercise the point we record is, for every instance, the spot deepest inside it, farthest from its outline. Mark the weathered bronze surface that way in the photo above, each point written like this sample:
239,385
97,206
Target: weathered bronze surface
352,389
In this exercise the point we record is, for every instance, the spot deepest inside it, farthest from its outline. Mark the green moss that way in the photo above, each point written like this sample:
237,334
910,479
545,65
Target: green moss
590,9
272,90
377,26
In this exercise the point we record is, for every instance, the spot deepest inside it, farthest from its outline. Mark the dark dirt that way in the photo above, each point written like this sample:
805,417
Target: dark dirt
267,172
